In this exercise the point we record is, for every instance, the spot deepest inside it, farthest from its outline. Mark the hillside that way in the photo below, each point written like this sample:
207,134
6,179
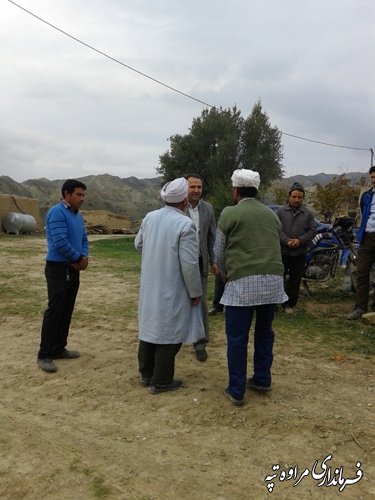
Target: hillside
129,197
322,179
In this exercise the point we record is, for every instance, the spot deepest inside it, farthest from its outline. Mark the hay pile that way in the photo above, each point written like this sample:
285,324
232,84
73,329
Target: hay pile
104,222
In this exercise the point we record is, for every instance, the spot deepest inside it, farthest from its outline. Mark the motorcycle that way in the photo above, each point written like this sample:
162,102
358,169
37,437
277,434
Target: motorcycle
333,245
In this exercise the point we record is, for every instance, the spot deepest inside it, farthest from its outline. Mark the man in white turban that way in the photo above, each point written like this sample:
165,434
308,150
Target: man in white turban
248,255
170,286
243,177
175,191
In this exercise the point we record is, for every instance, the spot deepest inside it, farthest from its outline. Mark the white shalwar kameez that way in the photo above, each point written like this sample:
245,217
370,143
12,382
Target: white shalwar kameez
170,275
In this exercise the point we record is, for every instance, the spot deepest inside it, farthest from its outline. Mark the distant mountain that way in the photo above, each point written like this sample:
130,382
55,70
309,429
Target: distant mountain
322,179
129,197
9,186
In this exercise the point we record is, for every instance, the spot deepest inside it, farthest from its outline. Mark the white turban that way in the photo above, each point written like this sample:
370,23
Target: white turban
243,177
175,191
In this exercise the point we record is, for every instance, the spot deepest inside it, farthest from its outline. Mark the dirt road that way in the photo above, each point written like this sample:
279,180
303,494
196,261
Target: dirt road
92,431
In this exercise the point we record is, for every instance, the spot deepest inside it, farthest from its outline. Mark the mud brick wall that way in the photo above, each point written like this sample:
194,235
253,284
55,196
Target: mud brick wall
19,204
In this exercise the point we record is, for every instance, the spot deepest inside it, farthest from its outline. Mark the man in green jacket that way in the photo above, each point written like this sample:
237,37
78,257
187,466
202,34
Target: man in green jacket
247,250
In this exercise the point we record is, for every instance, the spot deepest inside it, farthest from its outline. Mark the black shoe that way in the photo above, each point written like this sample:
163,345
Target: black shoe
356,314
65,354
173,386
201,355
47,365
257,387
234,401
145,381
214,310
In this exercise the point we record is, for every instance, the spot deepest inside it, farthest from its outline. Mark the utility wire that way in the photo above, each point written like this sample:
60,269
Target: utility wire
325,143
164,84
110,57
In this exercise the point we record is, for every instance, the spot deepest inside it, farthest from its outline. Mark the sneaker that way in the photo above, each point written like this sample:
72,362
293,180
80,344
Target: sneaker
47,364
356,313
257,387
201,355
145,381
173,386
234,401
65,354
214,310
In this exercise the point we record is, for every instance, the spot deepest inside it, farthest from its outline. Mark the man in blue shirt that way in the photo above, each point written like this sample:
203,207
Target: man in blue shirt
366,250
67,255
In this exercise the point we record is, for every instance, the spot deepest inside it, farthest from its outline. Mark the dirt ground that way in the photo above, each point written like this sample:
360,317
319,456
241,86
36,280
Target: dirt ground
92,431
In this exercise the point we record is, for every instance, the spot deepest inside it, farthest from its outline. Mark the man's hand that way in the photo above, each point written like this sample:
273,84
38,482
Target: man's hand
195,301
215,269
294,243
82,264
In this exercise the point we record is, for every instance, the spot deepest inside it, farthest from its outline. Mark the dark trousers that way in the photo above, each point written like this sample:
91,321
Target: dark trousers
156,361
238,322
293,268
62,289
219,290
202,343
366,258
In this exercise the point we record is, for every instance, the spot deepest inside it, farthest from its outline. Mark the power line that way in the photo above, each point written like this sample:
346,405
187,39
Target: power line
110,57
325,143
164,84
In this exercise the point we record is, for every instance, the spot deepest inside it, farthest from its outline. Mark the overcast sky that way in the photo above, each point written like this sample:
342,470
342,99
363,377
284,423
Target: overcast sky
67,111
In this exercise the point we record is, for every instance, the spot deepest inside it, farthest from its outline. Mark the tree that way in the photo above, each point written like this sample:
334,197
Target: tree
219,142
261,146
336,197
280,192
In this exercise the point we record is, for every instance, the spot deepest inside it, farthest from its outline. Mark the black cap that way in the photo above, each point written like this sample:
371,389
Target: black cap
296,186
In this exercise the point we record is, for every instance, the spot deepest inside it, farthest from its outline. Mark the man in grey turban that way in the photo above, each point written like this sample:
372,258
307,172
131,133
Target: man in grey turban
170,286
247,250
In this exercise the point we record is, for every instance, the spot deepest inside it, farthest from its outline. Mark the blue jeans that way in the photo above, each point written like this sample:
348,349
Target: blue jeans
238,322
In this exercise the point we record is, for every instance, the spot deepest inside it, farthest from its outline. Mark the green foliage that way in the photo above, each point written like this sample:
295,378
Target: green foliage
336,197
261,146
219,142
221,199
210,149
280,193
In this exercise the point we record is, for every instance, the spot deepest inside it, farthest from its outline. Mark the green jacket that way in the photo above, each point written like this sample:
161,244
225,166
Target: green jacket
253,240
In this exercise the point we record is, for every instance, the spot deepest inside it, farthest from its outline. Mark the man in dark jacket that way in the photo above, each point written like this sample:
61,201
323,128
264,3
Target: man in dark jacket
202,213
298,229
366,250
